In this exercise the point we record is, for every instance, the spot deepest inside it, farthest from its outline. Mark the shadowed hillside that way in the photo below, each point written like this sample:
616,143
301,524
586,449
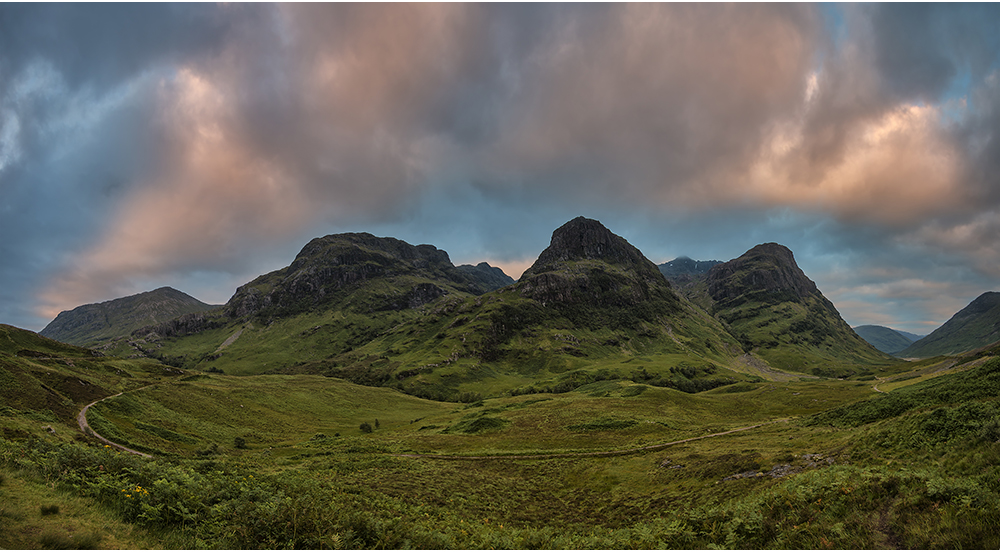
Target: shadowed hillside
977,325
775,310
884,339
89,325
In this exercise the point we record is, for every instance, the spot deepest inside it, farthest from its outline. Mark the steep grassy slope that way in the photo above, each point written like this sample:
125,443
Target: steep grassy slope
44,383
884,339
977,325
774,309
89,325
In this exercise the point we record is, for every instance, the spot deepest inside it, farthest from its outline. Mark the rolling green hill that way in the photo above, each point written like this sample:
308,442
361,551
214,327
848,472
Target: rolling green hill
884,339
44,383
309,462
977,325
778,312
89,325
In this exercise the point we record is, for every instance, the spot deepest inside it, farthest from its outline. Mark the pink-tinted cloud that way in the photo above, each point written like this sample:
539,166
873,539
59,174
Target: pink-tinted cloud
302,119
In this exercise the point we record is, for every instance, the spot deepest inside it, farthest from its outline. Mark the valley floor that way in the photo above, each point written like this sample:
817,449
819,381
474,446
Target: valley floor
316,462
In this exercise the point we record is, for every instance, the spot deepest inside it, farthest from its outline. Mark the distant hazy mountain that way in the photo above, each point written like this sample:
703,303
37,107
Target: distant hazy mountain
683,269
91,324
977,325
772,307
487,277
911,336
885,339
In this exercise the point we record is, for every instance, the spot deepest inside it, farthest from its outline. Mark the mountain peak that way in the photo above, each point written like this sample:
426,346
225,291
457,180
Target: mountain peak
685,269
981,304
584,239
96,322
768,267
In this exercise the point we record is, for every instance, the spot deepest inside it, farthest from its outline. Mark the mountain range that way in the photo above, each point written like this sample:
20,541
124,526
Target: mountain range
379,311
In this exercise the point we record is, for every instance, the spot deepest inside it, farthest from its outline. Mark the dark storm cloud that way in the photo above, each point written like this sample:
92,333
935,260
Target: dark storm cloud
920,48
169,144
101,44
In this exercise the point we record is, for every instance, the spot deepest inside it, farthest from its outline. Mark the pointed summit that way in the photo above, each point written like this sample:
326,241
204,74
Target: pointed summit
777,312
583,239
768,267
587,263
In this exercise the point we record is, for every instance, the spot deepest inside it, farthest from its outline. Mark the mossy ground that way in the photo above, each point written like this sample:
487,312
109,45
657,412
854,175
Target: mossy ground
34,515
282,461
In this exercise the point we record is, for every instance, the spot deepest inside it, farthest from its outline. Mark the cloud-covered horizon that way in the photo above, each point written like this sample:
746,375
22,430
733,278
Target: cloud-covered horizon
198,146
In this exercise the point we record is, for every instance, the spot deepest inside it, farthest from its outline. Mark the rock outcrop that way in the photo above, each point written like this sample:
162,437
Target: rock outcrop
768,267
587,263
487,277
328,267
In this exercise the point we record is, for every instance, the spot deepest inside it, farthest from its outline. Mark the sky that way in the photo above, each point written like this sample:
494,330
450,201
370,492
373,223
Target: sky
198,146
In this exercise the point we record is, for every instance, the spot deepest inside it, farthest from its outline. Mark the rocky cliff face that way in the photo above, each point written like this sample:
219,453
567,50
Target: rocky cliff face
583,239
586,263
329,265
768,267
775,310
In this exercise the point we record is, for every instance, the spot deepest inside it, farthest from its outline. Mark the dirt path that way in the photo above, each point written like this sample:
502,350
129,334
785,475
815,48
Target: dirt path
875,387
81,419
621,452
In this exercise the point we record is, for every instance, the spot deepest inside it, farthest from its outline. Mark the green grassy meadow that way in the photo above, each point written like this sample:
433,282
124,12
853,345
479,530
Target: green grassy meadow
551,470
600,455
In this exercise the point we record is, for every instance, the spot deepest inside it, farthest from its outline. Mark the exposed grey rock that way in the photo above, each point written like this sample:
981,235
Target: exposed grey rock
767,267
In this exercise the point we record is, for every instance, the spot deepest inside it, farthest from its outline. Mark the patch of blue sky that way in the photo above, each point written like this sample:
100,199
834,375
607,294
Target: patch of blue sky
833,20
954,105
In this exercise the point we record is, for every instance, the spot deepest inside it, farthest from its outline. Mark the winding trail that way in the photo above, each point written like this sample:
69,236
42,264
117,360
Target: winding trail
81,419
621,452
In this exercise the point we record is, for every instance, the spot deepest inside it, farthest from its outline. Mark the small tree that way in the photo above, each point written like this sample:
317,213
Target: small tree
240,443
366,427
377,425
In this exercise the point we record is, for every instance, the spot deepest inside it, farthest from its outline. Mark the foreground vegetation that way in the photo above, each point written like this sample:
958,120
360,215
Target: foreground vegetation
916,468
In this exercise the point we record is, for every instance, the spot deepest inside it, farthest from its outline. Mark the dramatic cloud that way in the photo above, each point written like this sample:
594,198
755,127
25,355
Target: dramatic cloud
200,145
